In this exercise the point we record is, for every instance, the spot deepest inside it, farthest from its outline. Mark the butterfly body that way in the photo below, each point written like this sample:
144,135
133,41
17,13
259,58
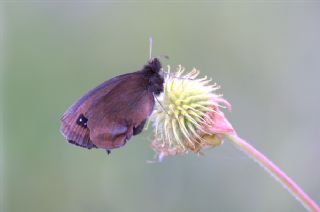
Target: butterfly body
110,114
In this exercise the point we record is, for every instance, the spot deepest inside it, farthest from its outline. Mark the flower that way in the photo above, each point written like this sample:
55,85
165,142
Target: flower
187,115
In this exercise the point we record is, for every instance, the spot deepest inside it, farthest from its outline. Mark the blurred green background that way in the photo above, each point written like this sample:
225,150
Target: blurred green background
265,55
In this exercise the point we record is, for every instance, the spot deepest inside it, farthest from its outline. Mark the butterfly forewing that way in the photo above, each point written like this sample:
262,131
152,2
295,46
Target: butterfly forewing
70,128
106,116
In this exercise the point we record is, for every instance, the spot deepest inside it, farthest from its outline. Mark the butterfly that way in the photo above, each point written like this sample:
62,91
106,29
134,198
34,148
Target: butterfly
110,114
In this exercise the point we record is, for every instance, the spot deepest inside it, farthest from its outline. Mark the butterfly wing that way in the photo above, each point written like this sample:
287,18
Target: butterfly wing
71,128
117,116
107,116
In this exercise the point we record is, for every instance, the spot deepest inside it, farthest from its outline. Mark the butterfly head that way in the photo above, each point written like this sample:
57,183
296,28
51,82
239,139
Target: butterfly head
152,70
154,65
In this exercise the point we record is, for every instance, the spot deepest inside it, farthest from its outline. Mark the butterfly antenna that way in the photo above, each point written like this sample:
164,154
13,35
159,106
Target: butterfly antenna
150,47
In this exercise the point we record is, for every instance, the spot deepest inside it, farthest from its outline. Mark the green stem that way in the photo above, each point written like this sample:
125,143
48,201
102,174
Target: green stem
277,173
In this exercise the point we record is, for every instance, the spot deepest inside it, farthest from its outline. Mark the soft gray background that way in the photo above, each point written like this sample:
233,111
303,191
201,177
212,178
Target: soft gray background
266,56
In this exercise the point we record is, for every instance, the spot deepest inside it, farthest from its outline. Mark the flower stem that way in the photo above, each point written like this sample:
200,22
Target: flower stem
277,173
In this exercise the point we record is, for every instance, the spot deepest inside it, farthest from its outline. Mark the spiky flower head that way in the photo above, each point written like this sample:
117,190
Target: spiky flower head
187,115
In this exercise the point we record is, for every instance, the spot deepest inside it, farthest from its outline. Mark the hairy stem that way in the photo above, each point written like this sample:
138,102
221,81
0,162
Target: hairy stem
277,173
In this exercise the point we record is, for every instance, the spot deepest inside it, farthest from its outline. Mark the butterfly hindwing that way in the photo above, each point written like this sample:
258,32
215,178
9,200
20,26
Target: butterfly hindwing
125,108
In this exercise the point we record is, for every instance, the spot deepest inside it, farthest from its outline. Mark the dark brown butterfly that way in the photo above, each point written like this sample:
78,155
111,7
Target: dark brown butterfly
110,114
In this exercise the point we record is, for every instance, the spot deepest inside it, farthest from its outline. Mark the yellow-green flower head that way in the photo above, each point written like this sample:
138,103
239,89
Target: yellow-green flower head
187,115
